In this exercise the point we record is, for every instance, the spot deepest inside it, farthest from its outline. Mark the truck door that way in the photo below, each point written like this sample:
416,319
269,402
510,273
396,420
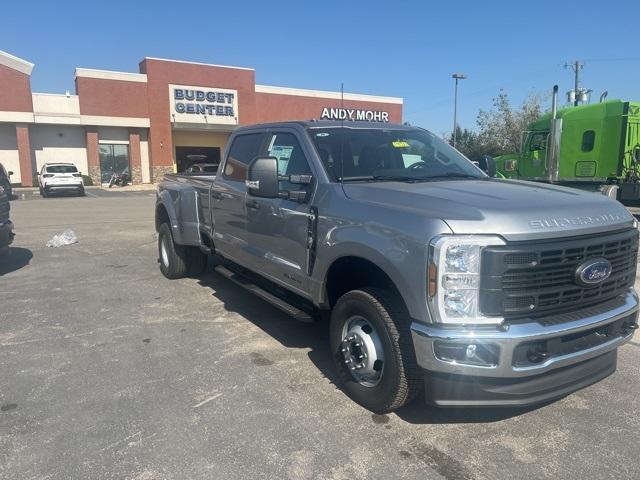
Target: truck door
278,229
533,163
228,194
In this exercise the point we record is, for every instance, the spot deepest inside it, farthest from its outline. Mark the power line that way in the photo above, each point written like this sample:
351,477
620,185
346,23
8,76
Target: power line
618,59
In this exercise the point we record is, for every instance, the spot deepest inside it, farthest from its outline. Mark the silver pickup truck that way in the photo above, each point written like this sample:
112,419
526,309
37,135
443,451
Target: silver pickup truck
434,276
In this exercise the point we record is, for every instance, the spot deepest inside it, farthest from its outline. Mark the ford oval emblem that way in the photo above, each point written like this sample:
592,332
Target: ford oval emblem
592,272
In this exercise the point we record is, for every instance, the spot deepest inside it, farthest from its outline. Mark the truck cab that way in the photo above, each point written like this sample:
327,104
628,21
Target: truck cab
597,145
433,276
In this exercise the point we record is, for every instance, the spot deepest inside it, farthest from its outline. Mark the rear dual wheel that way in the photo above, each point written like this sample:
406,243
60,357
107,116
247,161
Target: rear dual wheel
372,350
177,261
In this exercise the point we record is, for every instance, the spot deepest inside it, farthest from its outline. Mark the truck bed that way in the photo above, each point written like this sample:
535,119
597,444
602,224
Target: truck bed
189,197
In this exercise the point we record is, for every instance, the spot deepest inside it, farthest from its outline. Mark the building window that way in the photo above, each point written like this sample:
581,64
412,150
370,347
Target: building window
588,140
114,158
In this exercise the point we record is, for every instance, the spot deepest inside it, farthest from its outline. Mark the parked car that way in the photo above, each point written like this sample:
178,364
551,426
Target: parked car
436,277
6,227
60,177
202,169
5,181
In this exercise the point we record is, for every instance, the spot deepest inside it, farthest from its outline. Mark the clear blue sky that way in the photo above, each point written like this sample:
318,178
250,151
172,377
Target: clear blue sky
396,48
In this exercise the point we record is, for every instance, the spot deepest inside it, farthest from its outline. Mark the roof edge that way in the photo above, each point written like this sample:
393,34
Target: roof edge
110,75
197,63
327,94
16,63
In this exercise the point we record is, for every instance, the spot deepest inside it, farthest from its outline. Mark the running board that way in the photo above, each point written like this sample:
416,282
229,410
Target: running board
280,304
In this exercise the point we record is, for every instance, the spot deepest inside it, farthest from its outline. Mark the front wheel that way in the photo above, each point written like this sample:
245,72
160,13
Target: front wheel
372,349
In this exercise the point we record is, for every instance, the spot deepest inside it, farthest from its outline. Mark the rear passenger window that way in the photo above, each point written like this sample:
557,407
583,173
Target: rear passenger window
243,150
588,140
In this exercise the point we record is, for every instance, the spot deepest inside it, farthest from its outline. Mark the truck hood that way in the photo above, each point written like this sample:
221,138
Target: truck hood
516,210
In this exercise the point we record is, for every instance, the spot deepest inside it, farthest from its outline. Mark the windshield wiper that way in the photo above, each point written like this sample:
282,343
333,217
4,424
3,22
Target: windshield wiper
409,178
373,178
453,175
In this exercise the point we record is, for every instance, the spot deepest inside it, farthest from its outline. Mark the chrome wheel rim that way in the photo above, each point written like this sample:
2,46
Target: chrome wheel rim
362,351
164,255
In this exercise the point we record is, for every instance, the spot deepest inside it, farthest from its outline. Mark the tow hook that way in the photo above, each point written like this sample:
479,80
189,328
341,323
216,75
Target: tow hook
537,354
628,328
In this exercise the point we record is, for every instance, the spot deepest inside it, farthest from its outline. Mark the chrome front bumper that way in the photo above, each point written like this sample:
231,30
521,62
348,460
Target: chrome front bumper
507,340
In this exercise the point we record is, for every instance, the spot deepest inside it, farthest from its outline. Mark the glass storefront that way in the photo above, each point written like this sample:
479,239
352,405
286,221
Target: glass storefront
114,158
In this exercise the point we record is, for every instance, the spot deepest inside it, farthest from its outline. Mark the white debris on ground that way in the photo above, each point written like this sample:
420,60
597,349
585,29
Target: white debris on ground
68,237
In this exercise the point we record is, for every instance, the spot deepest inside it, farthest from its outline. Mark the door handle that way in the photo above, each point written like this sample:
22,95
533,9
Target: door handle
253,204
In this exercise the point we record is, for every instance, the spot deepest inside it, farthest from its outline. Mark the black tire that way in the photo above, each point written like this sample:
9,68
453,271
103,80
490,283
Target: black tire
81,192
43,192
385,311
175,263
7,189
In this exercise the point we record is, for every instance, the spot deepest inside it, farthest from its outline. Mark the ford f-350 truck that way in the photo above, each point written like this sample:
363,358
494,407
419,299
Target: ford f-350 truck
435,277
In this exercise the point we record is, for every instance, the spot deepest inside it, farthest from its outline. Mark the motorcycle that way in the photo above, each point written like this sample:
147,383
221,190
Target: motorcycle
120,179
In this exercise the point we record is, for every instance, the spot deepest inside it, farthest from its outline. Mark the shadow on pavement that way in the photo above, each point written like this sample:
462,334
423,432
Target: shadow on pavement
17,258
419,412
289,332
315,336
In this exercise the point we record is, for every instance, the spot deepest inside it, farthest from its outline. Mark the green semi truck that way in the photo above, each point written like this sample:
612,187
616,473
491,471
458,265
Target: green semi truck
591,147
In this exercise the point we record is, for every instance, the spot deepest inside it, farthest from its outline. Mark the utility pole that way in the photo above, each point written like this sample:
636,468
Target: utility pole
457,76
576,67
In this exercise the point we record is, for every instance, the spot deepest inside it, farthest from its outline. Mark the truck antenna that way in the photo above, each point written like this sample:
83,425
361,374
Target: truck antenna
341,131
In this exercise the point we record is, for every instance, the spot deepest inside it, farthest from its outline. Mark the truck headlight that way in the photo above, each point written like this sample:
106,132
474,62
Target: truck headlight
454,278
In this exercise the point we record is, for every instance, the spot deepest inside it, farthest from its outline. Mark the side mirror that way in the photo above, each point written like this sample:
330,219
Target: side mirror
487,164
262,177
9,173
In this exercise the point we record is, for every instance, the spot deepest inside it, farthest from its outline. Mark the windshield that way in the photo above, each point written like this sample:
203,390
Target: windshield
354,154
61,169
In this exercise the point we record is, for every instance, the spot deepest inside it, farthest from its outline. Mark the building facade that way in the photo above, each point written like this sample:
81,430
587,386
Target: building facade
163,119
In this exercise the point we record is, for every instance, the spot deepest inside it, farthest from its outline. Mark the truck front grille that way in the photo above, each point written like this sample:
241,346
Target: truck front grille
535,278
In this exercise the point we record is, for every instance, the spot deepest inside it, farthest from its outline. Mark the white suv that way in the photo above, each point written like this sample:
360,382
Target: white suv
60,177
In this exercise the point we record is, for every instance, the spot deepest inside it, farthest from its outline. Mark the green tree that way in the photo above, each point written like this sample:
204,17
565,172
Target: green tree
467,143
501,128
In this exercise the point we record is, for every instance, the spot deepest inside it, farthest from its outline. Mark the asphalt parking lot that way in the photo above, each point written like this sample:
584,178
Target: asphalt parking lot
108,370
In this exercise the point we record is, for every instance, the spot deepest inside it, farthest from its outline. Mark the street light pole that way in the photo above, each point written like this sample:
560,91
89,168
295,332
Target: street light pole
457,76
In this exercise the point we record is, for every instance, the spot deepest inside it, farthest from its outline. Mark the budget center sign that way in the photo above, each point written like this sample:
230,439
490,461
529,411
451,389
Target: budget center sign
205,105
